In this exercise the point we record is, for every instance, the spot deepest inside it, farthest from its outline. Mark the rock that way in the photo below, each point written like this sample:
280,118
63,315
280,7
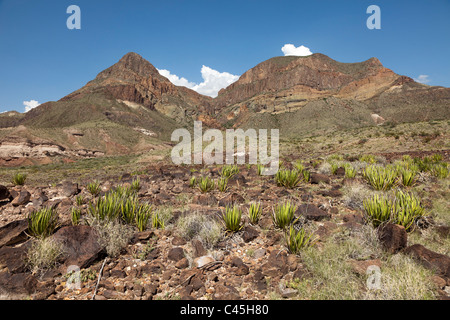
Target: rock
393,237
182,264
4,193
311,212
178,241
81,245
39,199
231,199
199,250
276,265
316,178
18,284
288,292
202,261
205,199
14,258
249,234
259,281
237,179
22,199
360,267
443,231
176,254
259,253
13,232
69,189
439,282
226,292
437,262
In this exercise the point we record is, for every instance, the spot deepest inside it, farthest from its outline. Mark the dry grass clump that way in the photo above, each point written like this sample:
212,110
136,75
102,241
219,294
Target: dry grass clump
113,235
202,227
43,254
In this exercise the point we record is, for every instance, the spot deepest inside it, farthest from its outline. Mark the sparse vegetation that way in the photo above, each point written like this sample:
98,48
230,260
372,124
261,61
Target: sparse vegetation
254,212
206,184
232,218
42,223
283,214
19,179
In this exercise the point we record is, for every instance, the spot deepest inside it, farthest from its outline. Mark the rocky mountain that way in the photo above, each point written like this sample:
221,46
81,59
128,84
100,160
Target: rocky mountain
305,95
130,107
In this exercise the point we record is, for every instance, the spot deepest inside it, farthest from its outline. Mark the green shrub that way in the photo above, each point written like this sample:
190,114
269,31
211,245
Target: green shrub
306,175
283,214
297,240
368,158
206,184
42,223
136,184
19,179
107,207
254,212
79,200
380,178
440,170
142,216
157,221
193,182
407,176
260,169
406,209
334,168
232,218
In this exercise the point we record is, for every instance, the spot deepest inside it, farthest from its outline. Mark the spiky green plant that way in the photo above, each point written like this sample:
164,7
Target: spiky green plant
94,188
306,175
260,169
192,182
288,178
142,216
222,184
75,216
378,209
136,184
19,179
254,212
334,167
124,191
42,222
79,199
297,240
128,208
157,221
283,214
368,158
406,209
228,171
380,178
407,176
299,166
440,171
350,171
206,184
107,207
232,218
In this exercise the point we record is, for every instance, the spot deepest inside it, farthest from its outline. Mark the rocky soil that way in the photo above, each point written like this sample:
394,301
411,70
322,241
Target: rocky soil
252,263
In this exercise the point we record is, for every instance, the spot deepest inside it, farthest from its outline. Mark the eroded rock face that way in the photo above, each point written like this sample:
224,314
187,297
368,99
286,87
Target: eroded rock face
432,260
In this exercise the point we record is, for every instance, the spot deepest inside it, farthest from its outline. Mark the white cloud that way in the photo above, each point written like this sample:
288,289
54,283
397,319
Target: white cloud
30,105
423,78
213,81
291,50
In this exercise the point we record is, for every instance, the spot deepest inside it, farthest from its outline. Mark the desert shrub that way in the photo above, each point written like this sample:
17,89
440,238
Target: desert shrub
254,212
296,240
43,255
19,179
288,178
202,227
42,222
232,218
283,214
94,188
206,184
113,235
380,178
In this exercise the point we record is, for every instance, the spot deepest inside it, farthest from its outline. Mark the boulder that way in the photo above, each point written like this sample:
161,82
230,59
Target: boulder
69,189
311,212
81,247
437,262
316,178
393,237
249,234
176,254
22,198
4,193
13,232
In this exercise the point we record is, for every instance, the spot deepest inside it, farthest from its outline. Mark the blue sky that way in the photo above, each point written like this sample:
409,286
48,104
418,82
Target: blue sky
42,60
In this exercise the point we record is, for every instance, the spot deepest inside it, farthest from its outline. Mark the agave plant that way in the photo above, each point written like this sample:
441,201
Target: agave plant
378,210
406,209
142,216
283,214
254,212
297,240
350,171
19,179
42,223
407,176
380,178
288,178
107,207
206,184
94,188
192,182
75,216
228,171
222,184
232,218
